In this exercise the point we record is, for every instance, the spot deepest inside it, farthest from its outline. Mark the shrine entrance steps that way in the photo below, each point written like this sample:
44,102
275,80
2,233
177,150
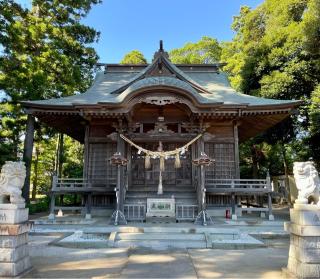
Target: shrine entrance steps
183,194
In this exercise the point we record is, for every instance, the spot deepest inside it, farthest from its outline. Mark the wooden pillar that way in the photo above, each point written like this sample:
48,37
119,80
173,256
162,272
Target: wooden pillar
52,205
121,149
27,155
236,150
198,174
268,180
129,167
88,206
86,153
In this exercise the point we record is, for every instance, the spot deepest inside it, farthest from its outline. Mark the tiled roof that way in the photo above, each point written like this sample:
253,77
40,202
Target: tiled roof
112,86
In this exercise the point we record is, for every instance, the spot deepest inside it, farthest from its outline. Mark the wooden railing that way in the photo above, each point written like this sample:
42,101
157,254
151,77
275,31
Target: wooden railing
186,212
80,184
238,185
135,212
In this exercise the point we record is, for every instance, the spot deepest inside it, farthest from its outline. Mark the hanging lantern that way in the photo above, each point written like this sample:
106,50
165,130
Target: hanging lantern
203,160
118,160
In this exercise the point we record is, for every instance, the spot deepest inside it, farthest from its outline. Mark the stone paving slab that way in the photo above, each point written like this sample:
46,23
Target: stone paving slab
252,263
58,262
145,263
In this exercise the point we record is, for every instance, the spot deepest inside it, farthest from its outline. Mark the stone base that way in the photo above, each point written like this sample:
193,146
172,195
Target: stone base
309,255
303,270
12,206
160,219
234,217
51,216
8,255
15,269
9,229
14,228
13,216
271,217
304,252
13,241
286,274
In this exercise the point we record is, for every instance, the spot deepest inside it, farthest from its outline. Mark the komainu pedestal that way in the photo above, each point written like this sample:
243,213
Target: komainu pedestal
14,228
14,224
304,252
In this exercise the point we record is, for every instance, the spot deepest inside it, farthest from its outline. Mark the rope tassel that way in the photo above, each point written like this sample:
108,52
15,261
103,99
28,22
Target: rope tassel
161,163
147,163
177,162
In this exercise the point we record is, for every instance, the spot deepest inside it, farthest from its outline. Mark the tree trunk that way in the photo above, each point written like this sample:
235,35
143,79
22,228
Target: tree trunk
286,173
35,178
255,163
27,155
59,156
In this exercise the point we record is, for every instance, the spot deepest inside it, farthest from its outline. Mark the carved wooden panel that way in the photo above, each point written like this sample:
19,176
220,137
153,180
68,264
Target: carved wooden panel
224,166
100,171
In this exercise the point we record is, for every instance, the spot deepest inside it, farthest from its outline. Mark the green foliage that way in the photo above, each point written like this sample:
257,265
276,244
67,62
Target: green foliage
205,51
315,124
72,161
134,57
46,52
275,53
41,205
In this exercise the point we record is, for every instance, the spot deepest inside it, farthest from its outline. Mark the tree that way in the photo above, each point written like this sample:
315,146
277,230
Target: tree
275,54
46,53
314,140
134,57
205,51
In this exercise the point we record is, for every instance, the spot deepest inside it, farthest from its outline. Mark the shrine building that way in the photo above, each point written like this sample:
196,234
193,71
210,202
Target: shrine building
134,110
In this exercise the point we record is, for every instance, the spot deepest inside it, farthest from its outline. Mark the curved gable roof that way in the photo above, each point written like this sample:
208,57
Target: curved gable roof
204,82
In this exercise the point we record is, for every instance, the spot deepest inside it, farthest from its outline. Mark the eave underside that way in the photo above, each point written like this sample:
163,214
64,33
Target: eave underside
73,123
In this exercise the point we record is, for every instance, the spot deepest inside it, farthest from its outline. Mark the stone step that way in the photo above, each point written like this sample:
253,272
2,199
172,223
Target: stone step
161,236
192,191
165,244
155,195
190,201
156,244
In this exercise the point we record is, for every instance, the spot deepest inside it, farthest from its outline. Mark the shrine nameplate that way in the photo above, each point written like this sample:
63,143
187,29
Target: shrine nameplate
160,207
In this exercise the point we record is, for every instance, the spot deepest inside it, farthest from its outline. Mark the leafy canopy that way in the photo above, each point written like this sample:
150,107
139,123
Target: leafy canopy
275,53
134,57
205,51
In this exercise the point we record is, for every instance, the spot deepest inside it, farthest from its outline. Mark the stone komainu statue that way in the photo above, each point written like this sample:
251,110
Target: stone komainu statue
12,178
307,181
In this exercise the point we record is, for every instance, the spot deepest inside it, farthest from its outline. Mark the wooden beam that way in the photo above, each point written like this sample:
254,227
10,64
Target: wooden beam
27,155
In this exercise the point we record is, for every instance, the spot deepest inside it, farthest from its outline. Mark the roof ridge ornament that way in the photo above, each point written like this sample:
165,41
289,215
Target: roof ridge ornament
160,52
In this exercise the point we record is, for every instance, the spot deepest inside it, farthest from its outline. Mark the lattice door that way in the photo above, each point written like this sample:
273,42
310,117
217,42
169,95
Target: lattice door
170,176
100,171
224,166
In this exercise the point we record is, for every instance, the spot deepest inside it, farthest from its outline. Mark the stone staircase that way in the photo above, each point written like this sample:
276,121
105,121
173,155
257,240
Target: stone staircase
182,194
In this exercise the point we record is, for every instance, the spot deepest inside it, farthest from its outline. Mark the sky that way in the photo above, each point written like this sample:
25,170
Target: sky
126,25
